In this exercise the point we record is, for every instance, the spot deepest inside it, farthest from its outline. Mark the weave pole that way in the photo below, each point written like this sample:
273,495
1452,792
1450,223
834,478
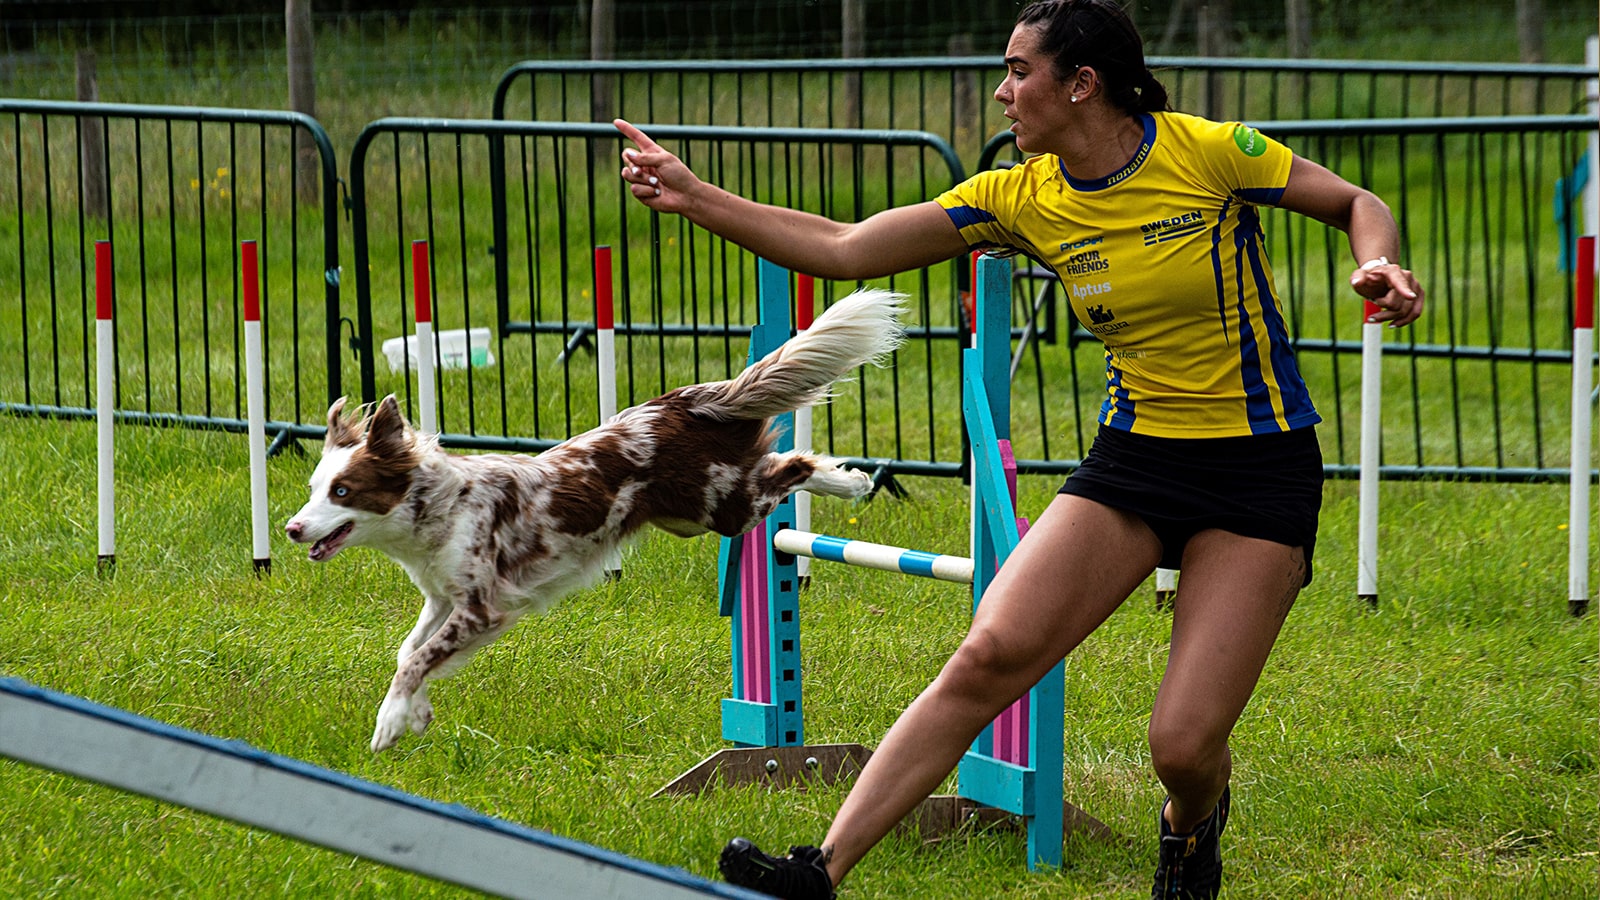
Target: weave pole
605,324
1371,449
1582,430
255,409
422,300
104,390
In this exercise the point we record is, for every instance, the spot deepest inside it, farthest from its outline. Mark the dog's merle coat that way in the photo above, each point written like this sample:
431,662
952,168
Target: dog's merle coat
488,538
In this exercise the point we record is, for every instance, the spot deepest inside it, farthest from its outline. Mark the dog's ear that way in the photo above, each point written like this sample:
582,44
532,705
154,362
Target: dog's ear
340,432
388,435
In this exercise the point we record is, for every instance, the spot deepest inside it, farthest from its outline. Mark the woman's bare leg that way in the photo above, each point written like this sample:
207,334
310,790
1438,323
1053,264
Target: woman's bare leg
1077,565
1232,599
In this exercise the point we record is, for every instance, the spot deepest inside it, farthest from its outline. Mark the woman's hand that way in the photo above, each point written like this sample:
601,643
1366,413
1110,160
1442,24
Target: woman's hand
1392,289
893,240
657,178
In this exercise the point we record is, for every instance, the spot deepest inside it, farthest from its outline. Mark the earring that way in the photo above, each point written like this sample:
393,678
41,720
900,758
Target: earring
1074,98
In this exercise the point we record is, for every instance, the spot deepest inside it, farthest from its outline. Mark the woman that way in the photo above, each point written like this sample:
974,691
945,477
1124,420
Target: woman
1206,457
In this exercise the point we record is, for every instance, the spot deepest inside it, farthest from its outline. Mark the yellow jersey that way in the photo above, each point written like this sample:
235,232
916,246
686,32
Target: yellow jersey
1163,260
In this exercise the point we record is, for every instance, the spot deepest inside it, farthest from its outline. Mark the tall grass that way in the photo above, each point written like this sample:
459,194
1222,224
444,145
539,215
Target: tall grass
1442,745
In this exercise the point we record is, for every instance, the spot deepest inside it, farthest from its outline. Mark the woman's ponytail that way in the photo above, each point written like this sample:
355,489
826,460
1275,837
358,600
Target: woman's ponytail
1153,94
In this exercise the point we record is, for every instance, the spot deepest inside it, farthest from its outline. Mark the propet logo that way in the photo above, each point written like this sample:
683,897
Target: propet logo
1163,230
1069,246
1102,319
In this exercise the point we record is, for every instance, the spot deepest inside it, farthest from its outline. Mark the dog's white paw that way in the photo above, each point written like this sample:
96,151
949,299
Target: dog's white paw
393,717
833,480
861,482
421,713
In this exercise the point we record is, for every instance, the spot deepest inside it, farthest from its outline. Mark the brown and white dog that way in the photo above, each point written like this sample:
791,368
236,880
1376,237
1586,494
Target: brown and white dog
487,538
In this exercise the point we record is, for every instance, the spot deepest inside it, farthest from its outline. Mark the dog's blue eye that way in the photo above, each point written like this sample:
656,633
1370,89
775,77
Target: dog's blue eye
340,491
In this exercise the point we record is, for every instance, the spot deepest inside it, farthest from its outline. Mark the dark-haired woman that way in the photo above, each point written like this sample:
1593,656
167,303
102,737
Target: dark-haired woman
1206,459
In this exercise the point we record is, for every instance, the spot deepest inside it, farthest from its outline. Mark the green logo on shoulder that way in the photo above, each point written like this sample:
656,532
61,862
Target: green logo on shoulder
1250,141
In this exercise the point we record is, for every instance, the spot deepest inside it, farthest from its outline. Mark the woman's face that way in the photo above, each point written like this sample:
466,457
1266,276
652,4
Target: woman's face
1038,103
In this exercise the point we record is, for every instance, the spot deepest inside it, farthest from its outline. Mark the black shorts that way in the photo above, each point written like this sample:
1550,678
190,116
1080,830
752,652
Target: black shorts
1266,486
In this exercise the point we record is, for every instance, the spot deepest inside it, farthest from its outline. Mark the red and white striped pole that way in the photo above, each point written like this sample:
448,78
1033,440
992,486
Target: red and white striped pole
1582,430
605,339
1371,445
422,294
255,410
805,307
105,387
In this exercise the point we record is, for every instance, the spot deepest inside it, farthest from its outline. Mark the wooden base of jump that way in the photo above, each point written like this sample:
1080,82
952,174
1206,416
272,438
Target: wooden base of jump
824,764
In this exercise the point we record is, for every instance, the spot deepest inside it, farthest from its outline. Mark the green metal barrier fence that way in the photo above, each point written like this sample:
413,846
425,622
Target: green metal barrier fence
513,212
953,96
175,190
684,300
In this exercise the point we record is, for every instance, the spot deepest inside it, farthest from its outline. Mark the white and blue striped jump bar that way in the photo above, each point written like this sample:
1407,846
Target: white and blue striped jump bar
874,556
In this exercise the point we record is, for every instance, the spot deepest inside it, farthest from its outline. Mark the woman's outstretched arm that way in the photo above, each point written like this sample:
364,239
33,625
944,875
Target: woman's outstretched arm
895,240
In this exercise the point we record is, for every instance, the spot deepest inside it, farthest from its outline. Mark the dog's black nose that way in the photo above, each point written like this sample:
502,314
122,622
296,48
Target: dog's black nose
294,530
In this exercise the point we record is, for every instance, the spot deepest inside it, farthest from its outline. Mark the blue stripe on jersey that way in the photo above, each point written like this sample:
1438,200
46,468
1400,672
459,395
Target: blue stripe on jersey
1156,237
1124,416
1257,393
1261,196
964,216
1216,268
1298,410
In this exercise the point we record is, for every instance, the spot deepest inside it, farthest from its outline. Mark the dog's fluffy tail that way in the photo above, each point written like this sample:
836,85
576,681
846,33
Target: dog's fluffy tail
862,328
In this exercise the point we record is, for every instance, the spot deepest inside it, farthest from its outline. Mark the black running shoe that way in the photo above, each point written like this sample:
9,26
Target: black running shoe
799,876
1190,866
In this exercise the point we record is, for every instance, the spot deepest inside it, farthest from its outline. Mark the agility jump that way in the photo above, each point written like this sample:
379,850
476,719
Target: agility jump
1015,767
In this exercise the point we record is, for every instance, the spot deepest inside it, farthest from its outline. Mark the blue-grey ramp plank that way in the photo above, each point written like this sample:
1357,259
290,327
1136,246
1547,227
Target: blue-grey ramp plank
236,781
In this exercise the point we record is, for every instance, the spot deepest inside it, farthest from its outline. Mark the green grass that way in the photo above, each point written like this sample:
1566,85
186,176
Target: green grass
1440,746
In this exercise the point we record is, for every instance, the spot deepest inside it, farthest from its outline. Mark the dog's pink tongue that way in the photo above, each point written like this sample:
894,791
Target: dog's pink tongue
324,549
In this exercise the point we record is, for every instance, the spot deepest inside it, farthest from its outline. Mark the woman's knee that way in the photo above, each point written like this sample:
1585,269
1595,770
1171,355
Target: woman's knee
1182,749
984,665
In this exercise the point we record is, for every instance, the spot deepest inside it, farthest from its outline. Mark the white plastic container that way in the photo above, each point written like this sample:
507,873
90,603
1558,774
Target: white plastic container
457,348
